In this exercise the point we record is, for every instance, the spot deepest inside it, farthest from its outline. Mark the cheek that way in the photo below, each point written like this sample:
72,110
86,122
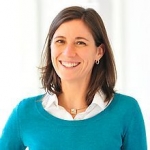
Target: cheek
53,55
88,56
54,52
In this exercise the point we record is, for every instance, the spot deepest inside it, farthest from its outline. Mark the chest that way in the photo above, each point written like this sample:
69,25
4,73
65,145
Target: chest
58,137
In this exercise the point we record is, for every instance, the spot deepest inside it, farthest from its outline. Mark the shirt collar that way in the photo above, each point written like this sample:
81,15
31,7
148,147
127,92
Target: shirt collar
51,99
99,99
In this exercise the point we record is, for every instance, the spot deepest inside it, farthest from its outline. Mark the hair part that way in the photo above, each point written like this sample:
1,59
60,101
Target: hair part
103,75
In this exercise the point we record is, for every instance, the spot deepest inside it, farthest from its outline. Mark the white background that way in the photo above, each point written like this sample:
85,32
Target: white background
23,29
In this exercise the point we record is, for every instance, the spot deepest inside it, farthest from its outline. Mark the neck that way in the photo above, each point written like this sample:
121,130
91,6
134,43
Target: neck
73,96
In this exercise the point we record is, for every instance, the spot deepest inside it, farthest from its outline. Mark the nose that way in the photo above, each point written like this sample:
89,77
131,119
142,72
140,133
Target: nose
69,51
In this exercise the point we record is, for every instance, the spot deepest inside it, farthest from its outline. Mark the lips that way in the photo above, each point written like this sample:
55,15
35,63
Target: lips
69,64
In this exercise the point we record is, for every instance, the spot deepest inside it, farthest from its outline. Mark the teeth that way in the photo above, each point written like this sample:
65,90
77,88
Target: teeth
69,64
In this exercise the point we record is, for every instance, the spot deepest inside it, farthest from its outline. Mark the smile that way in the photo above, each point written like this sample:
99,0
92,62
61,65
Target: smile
69,64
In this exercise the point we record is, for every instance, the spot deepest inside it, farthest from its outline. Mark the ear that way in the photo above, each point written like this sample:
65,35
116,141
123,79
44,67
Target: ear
100,51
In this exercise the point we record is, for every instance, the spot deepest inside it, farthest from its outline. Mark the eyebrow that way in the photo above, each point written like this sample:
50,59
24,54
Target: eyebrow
59,37
78,38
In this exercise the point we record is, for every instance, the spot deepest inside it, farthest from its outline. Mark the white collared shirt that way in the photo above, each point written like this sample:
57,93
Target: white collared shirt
50,104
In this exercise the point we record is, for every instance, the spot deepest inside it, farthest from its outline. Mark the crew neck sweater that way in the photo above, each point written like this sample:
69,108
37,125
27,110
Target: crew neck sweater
118,127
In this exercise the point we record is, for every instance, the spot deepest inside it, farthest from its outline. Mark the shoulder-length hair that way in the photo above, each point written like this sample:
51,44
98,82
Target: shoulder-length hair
103,75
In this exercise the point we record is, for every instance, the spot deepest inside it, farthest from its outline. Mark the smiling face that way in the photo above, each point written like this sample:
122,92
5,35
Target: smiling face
73,51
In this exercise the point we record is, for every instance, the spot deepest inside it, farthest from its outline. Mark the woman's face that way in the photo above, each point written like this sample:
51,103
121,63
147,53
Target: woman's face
73,51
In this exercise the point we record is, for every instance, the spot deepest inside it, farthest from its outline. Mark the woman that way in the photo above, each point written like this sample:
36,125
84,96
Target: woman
80,109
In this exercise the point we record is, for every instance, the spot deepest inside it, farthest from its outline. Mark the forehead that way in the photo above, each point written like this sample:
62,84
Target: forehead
74,27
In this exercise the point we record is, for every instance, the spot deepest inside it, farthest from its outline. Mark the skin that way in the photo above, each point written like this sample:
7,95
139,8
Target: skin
73,53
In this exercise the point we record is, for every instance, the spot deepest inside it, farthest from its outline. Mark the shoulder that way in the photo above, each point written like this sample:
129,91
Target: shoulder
125,109
29,103
32,99
124,104
125,100
132,121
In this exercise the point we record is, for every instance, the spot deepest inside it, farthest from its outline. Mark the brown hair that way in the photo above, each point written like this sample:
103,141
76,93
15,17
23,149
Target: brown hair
103,75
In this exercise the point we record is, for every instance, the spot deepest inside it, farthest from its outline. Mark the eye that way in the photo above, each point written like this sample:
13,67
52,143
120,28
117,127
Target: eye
60,41
81,43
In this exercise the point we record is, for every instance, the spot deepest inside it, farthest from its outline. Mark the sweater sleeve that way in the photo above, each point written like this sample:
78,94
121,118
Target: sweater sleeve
10,138
135,135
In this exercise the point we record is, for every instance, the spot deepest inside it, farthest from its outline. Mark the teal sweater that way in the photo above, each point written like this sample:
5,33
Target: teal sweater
119,127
